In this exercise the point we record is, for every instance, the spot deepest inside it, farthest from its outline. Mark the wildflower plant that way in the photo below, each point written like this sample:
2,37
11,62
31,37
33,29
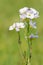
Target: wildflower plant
27,17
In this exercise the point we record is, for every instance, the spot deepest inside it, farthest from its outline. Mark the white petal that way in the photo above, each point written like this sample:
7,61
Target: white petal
17,29
23,10
34,11
17,25
23,16
36,16
31,16
22,25
11,28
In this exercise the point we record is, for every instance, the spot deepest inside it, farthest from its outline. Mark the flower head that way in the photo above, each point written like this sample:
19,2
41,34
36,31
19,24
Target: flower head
30,13
17,26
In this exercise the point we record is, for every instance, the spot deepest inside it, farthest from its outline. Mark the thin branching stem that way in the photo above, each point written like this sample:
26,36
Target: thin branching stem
29,44
19,46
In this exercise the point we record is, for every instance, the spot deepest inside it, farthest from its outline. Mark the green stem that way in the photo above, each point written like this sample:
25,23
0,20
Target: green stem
28,41
20,49
30,49
19,41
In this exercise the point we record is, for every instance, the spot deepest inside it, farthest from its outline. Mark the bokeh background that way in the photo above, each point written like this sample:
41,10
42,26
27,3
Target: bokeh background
9,48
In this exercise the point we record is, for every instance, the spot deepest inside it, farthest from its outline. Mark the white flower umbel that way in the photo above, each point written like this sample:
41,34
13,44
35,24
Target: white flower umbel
32,24
17,26
23,10
30,13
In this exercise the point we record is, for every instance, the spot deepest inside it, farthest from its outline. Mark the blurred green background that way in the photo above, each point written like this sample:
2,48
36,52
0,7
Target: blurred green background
9,48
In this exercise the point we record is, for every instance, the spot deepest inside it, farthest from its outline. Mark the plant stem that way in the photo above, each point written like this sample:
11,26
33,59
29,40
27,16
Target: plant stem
19,46
19,41
30,49
28,41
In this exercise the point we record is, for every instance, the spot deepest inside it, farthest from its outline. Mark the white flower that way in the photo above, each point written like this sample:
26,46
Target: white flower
32,24
10,28
28,13
35,12
17,26
23,10
32,13
33,36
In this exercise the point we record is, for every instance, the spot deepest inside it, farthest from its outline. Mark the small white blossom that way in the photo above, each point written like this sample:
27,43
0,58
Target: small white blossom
10,28
33,36
32,24
23,10
35,12
32,13
17,26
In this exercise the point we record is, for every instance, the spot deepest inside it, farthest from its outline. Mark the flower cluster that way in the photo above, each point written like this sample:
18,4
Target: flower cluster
28,13
17,26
